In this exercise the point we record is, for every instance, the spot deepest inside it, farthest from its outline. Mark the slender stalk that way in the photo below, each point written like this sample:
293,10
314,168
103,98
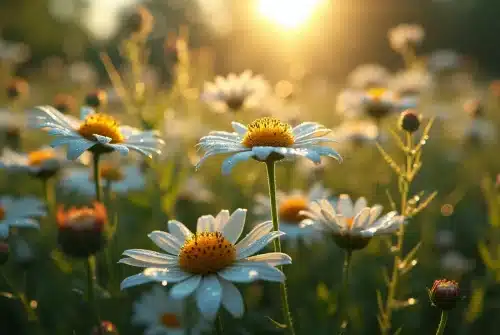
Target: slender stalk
97,176
442,323
271,177
219,327
91,279
344,294
50,201
404,188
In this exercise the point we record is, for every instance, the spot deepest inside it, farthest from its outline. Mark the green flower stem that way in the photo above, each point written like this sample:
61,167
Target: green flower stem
91,279
404,188
271,177
48,185
344,294
97,176
219,326
442,323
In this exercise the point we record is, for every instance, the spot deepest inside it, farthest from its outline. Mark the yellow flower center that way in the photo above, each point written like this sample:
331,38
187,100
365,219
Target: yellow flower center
101,124
37,158
350,222
170,320
268,132
2,213
111,172
290,208
206,253
376,93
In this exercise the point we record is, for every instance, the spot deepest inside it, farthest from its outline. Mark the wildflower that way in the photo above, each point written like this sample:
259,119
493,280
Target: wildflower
96,132
119,179
194,189
409,121
406,36
357,132
96,99
206,262
411,84
105,328
442,61
64,103
19,213
43,163
82,232
352,225
163,315
368,76
235,93
17,88
268,139
379,103
445,294
290,207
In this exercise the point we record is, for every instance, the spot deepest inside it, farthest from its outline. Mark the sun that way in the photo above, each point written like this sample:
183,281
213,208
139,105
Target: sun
288,13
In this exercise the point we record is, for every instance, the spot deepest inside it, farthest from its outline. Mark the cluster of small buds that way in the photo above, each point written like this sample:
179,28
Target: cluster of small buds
444,294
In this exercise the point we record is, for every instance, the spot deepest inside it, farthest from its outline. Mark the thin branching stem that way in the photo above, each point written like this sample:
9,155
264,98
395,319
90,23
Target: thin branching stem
344,294
271,177
91,260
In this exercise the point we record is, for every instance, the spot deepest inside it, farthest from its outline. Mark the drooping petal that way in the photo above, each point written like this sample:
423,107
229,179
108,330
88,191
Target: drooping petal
151,256
209,296
185,288
232,299
231,161
179,230
258,245
135,280
172,274
255,234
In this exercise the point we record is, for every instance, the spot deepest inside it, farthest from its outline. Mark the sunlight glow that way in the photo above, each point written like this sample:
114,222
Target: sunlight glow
288,13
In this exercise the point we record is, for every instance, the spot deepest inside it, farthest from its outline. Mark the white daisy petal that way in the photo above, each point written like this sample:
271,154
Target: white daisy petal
271,258
255,234
345,206
135,280
166,241
258,245
231,161
239,274
170,274
205,223
184,288
179,230
232,299
209,296
150,256
234,227
221,220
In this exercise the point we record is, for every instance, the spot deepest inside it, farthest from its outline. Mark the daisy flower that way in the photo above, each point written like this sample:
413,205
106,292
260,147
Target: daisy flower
367,76
234,92
411,83
268,139
205,263
178,132
380,102
444,61
357,132
163,315
405,36
119,178
19,213
289,209
352,224
42,163
96,132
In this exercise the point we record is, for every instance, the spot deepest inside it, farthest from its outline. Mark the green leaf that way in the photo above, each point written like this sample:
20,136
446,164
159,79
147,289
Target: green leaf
322,292
475,305
486,257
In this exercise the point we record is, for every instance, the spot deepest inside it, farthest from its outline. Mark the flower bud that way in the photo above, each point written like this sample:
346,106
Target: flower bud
17,88
81,232
4,252
96,99
444,294
64,103
409,121
105,328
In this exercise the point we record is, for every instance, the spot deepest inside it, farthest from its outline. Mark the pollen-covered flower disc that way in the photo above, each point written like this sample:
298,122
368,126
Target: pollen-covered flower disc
268,139
96,132
205,263
351,224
